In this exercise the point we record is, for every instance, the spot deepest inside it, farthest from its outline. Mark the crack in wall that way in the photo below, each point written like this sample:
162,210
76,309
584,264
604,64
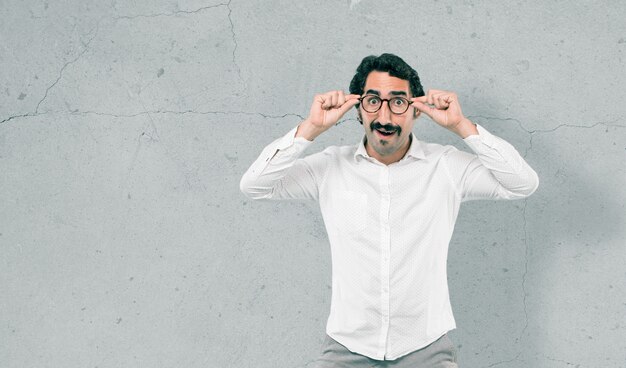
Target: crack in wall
170,14
86,45
230,20
531,134
36,112
610,123
576,365
607,124
342,120
232,30
174,112
505,361
18,116
183,112
65,66
521,335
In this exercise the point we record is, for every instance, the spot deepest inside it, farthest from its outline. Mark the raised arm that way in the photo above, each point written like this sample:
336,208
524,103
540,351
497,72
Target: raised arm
279,172
495,171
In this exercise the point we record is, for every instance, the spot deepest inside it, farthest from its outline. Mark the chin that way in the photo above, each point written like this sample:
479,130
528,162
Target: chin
385,149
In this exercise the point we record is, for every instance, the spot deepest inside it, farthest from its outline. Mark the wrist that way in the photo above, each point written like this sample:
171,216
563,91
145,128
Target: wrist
308,130
465,128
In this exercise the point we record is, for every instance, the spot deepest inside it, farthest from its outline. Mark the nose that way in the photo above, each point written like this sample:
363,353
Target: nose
384,114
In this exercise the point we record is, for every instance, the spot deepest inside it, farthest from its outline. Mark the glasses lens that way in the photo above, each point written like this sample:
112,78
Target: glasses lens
371,103
398,105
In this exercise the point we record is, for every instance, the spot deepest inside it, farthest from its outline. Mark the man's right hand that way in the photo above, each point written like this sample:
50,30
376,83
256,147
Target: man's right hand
326,111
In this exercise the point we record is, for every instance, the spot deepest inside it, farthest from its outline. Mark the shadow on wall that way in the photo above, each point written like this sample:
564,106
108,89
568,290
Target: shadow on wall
576,232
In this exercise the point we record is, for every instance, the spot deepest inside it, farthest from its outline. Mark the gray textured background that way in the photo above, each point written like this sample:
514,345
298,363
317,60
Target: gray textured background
126,126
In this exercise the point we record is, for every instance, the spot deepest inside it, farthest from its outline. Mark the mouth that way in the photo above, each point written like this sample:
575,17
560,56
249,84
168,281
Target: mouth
385,131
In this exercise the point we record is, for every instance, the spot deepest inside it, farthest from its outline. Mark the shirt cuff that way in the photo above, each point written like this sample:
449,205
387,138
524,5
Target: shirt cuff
290,140
483,137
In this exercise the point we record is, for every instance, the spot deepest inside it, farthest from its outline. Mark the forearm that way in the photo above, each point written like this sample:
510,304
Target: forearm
267,173
515,177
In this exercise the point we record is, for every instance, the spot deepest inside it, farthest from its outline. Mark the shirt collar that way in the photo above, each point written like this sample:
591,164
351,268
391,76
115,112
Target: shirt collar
416,149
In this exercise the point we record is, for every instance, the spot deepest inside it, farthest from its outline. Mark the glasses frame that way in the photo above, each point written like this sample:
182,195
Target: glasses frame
388,100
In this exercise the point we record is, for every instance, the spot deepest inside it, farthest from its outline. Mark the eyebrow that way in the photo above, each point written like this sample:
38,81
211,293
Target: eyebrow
393,93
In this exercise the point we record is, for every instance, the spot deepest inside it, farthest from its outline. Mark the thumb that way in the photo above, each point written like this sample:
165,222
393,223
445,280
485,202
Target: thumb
347,105
428,110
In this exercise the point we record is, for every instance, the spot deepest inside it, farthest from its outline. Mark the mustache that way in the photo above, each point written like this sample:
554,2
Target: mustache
388,127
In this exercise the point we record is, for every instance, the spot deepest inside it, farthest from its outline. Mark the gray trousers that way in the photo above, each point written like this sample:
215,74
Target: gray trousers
439,354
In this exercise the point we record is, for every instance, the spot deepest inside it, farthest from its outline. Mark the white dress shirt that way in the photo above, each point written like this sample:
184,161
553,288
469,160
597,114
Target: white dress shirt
389,228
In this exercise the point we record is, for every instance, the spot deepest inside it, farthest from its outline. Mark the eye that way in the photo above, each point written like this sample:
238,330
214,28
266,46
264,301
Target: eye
372,100
398,101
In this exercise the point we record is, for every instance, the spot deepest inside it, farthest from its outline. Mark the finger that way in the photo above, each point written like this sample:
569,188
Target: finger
347,106
352,96
443,101
431,96
422,101
452,99
333,99
428,110
438,102
341,98
327,101
320,100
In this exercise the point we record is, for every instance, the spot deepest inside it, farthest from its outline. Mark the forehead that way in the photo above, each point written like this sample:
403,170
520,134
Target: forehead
384,83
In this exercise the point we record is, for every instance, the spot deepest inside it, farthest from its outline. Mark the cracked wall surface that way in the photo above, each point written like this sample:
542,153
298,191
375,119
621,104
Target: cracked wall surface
126,126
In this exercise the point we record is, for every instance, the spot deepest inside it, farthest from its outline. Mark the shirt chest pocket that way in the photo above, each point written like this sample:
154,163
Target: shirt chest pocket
349,212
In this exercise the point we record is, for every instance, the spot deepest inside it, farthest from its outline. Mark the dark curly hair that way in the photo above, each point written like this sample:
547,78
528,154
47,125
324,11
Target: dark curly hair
390,63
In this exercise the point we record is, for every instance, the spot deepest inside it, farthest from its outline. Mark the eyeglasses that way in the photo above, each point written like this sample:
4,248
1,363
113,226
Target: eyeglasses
373,103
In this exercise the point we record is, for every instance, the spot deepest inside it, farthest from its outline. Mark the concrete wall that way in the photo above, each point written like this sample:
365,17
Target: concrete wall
126,126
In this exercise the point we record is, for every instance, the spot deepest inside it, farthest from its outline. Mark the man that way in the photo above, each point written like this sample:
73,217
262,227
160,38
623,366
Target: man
389,205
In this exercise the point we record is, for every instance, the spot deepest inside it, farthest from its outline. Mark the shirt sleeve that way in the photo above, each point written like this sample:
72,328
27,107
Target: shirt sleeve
495,171
280,173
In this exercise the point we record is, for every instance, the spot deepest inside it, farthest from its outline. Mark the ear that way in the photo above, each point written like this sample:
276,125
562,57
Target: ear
416,113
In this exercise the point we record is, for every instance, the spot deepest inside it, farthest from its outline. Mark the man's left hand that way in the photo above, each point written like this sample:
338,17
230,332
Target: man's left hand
444,109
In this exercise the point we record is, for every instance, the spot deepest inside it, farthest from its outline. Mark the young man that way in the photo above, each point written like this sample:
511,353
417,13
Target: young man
389,205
